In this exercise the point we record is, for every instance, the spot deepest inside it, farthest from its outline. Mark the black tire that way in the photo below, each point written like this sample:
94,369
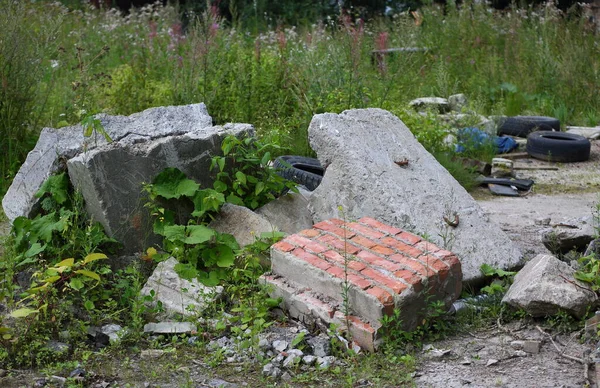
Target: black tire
302,170
558,146
522,126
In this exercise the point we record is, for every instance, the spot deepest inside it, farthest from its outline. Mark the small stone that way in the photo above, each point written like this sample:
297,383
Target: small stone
58,380
491,362
264,344
77,372
457,102
148,354
291,360
532,346
286,376
545,221
520,353
309,359
57,347
271,370
192,340
321,347
280,345
39,383
170,328
295,352
113,331
517,344
325,362
231,360
3,373
465,361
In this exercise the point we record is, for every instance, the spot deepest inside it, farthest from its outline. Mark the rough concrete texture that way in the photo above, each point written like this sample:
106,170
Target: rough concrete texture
436,104
111,178
178,296
377,168
386,269
244,224
591,133
289,213
573,234
546,285
55,146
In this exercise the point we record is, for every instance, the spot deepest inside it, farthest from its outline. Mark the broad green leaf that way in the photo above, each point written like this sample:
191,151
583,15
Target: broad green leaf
172,183
89,305
186,271
43,227
94,256
265,159
76,284
220,254
35,290
89,274
228,239
234,199
198,234
28,260
210,279
241,177
57,186
174,232
221,163
260,186
65,263
22,313
35,249
220,186
51,279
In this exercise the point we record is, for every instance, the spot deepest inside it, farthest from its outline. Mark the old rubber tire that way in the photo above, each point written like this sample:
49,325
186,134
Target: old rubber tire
522,126
302,170
558,146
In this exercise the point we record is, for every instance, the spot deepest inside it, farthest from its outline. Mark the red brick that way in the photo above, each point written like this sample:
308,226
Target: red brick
283,246
411,278
319,304
409,238
311,259
380,226
310,232
415,265
427,247
328,226
402,246
365,230
307,244
359,282
442,253
336,221
451,260
365,242
382,295
334,256
339,244
383,250
438,265
379,261
356,265
390,283
360,324
336,271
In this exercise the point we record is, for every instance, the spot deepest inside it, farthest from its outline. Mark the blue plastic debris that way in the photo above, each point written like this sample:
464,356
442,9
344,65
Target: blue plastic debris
474,137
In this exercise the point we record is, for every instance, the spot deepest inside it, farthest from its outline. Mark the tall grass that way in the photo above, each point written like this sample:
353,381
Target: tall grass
60,63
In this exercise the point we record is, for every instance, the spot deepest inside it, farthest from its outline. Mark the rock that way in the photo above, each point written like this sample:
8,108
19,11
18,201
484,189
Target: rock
532,347
436,104
573,234
289,213
54,146
58,347
271,370
543,221
114,332
96,335
291,361
325,362
3,373
593,248
362,148
491,362
244,224
170,328
280,345
591,133
264,344
309,359
320,345
546,285
178,296
502,168
520,353
61,381
286,376
148,354
457,102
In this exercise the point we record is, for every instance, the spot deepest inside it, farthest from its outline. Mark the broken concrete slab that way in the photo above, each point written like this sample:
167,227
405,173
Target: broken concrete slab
572,234
55,146
457,102
116,200
244,224
436,104
547,285
170,328
289,213
178,296
591,133
377,168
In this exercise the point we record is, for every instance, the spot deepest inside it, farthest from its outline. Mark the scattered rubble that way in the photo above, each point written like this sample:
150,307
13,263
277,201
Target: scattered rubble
572,234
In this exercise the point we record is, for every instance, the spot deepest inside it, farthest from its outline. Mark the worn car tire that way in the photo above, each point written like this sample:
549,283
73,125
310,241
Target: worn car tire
522,126
558,146
302,170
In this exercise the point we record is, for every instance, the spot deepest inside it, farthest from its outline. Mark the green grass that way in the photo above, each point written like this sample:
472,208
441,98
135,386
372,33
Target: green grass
62,64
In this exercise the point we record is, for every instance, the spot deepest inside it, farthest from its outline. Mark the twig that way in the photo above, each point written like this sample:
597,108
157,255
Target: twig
572,358
577,285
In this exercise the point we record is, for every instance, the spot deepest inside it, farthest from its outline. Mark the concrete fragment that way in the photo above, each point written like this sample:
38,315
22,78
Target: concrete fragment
573,234
457,102
170,328
436,104
55,146
244,224
546,285
591,133
289,213
178,296
502,167
377,168
149,354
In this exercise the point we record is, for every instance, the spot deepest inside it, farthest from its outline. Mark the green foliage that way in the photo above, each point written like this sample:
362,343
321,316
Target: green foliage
501,280
244,175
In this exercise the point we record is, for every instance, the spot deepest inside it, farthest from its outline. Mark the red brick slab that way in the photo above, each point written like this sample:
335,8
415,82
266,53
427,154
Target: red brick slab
384,267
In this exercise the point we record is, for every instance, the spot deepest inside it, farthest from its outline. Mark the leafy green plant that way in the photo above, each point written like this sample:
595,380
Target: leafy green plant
244,175
501,279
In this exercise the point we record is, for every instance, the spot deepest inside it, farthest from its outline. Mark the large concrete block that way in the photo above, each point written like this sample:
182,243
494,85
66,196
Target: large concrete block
376,168
56,146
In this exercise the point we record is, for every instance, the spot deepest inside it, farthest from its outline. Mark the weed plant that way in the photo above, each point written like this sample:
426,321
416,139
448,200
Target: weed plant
519,61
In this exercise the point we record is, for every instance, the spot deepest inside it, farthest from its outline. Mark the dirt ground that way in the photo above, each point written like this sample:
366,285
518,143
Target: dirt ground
571,191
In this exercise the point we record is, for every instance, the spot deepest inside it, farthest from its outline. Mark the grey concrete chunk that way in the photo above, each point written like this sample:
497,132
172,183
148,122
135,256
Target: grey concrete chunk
573,234
178,296
377,168
244,224
436,104
546,285
55,146
289,213
170,328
